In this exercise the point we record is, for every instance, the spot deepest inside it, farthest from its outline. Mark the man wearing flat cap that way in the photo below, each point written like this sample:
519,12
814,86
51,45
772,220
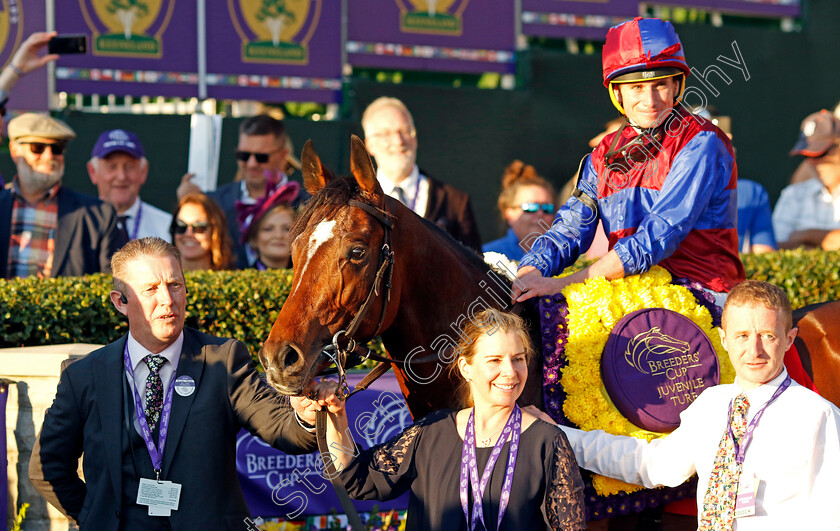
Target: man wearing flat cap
46,229
807,213
118,167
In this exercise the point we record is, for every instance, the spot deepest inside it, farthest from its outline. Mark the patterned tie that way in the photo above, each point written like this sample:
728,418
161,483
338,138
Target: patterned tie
719,502
154,389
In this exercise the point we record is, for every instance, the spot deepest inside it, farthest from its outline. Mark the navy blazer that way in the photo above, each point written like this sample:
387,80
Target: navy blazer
86,236
200,454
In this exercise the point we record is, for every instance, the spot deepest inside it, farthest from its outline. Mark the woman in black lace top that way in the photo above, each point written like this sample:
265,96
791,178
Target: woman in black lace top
442,459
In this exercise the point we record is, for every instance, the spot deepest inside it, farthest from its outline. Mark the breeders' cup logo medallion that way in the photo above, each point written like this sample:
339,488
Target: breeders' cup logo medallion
275,31
10,29
434,17
650,352
127,28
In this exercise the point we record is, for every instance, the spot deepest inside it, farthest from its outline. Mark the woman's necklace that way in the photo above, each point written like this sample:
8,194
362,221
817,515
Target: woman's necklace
487,440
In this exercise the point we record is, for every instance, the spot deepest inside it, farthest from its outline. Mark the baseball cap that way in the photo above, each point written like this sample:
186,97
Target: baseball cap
816,134
32,124
118,140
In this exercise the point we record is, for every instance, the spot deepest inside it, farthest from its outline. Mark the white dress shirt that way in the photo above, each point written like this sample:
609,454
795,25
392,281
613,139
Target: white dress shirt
415,187
795,453
153,221
136,353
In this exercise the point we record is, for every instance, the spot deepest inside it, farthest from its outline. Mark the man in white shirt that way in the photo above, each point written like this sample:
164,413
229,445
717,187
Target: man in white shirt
808,213
793,452
118,167
391,139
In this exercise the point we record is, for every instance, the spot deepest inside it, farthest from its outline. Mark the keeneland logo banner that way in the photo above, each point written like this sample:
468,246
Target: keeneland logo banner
275,31
436,17
127,28
655,363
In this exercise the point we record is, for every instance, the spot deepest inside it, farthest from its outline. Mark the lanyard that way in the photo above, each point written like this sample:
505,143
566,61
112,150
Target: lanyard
469,468
155,452
133,236
741,449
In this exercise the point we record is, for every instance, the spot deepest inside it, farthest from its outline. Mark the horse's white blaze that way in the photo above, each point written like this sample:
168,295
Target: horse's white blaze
322,234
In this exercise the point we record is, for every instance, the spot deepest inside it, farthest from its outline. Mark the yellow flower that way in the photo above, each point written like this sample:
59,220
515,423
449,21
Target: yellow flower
595,306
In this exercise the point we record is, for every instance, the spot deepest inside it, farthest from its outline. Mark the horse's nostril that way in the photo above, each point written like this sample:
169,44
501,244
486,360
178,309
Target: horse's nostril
291,357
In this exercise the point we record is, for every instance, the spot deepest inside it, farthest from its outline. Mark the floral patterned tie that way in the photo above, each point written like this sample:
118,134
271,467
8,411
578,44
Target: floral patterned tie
719,502
154,389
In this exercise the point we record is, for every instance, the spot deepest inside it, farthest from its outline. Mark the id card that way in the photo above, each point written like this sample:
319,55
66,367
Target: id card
745,499
160,496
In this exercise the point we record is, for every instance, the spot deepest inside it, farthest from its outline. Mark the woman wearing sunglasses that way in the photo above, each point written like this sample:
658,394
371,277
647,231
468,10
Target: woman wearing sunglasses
199,231
527,207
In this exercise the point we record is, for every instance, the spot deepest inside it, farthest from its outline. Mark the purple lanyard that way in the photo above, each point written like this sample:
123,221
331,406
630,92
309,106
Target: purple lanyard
155,452
741,449
469,468
137,222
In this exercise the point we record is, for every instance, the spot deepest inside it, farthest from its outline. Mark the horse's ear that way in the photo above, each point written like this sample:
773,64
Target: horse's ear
362,167
315,176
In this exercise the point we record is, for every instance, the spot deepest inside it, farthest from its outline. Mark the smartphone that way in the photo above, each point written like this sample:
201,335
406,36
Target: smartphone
64,44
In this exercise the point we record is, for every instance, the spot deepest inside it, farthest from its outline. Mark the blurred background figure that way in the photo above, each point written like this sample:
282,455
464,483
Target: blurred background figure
199,231
527,206
118,168
25,60
391,139
807,213
266,226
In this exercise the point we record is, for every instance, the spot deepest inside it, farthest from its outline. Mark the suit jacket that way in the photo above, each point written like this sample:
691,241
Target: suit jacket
87,417
226,197
450,209
86,235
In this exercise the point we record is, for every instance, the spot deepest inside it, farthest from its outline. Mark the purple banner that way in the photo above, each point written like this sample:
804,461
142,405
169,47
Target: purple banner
583,19
443,35
769,8
275,51
292,486
17,22
142,48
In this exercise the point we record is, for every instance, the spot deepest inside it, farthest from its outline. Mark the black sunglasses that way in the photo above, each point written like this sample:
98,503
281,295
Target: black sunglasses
533,208
38,148
181,227
244,156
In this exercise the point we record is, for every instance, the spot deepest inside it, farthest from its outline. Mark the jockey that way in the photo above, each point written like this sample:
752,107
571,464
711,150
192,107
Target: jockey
664,185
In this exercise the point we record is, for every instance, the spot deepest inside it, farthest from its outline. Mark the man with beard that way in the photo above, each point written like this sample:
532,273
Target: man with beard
46,229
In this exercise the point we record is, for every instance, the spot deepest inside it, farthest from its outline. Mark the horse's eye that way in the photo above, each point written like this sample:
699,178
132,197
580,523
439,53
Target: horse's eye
357,253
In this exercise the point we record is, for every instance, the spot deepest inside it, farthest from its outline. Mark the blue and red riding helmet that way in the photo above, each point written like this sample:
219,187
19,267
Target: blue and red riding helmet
642,49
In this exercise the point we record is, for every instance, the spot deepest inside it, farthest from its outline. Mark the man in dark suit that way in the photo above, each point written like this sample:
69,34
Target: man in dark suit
156,412
263,148
46,229
391,139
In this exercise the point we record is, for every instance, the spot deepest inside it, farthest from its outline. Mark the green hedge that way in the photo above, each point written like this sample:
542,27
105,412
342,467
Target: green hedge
244,304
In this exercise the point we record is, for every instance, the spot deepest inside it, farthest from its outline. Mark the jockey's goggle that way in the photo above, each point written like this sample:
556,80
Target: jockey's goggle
635,153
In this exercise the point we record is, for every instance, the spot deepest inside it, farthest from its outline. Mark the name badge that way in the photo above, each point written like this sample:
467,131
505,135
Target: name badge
161,497
184,386
745,498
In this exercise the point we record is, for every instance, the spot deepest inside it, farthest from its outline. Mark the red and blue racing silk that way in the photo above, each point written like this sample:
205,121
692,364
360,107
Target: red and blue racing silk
671,201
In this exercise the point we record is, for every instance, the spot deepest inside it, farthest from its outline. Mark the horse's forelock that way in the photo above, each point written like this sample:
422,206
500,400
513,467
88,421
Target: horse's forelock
325,203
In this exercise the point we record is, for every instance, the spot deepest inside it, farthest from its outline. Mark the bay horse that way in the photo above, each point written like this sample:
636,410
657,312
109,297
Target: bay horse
341,238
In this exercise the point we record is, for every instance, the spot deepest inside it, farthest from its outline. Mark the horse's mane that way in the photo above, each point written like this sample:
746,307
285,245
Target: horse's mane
339,191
